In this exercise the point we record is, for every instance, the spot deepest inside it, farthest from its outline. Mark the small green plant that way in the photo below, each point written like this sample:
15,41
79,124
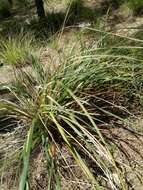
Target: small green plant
16,51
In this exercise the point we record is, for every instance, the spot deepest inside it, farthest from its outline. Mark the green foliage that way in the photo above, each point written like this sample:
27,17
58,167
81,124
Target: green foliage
68,107
75,105
135,5
131,7
16,51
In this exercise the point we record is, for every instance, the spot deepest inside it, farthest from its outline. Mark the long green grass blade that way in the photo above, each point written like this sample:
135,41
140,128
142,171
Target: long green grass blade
26,156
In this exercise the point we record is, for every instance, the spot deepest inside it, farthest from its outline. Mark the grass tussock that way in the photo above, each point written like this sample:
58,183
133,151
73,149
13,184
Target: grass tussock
16,50
130,7
135,6
76,106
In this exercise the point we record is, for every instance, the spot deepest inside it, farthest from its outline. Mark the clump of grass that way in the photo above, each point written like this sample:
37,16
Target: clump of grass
75,107
136,6
17,50
132,7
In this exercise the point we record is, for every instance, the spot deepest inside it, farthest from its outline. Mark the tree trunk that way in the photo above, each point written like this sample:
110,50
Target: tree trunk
10,2
40,9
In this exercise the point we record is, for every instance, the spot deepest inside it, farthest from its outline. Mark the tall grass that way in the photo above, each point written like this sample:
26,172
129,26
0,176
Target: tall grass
16,50
75,107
